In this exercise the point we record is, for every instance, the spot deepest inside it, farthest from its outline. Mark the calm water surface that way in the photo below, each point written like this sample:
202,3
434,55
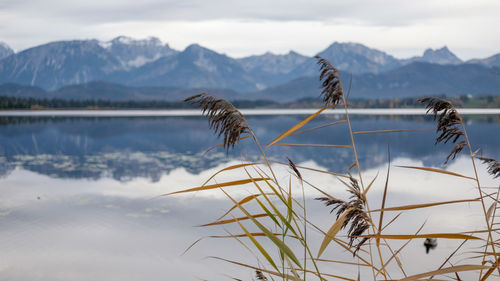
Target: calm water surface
80,194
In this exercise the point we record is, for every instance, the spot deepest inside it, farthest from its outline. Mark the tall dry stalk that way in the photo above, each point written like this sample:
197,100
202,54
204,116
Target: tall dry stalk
282,220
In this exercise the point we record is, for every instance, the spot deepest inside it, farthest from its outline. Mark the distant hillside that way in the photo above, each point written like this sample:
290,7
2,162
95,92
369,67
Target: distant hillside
350,57
21,91
493,61
270,69
415,79
438,56
195,67
110,91
5,50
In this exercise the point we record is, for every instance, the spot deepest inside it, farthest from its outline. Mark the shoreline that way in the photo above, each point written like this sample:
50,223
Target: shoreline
248,112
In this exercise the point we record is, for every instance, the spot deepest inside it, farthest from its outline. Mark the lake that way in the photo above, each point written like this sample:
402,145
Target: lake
81,190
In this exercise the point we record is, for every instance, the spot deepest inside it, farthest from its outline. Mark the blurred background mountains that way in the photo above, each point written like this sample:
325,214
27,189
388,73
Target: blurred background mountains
130,69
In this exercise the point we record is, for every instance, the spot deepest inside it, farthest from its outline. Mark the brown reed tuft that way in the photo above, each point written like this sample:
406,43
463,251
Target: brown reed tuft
294,168
332,86
260,275
493,166
356,216
223,117
450,124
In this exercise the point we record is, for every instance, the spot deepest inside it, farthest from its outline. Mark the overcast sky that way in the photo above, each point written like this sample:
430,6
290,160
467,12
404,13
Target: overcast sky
239,28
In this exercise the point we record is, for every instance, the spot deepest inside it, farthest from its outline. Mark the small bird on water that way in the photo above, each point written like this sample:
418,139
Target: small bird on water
430,243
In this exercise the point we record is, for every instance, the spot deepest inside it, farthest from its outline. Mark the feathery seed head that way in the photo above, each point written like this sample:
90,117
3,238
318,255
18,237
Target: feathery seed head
330,82
223,117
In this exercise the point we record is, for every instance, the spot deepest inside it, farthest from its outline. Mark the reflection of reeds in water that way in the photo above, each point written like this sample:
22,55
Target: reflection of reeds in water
279,230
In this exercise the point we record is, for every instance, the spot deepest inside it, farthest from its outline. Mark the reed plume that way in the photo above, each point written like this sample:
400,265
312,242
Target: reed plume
493,166
330,82
356,216
450,124
260,275
223,117
295,170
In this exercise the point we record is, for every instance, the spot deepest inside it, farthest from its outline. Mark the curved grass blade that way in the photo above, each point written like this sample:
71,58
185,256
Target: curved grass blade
458,268
369,185
219,185
384,197
259,247
290,277
313,169
388,131
426,205
334,229
317,127
429,235
343,262
298,126
241,202
227,169
437,171
280,244
221,144
234,220
392,220
314,145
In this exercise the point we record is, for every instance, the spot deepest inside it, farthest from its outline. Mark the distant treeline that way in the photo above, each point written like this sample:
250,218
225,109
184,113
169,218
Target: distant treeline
35,103
458,101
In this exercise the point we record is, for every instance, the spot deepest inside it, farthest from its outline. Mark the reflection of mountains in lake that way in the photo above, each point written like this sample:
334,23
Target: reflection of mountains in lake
122,166
126,148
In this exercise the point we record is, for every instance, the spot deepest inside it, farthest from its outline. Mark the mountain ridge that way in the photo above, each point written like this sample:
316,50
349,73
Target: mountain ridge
152,63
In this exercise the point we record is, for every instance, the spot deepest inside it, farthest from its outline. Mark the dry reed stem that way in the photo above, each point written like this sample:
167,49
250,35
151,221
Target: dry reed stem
451,128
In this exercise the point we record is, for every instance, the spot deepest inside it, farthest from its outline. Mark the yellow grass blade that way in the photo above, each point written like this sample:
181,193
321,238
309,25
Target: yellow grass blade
234,220
290,277
458,268
227,169
267,211
384,197
259,247
369,185
255,234
343,262
277,212
222,144
280,244
490,210
395,255
314,145
386,131
437,171
334,229
298,126
317,127
241,202
224,184
426,205
392,220
429,235
313,169
329,275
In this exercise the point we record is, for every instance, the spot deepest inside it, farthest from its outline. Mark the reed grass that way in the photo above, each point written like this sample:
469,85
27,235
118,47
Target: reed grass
279,232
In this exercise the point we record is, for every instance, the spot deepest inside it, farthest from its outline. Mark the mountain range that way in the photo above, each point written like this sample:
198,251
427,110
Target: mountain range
150,69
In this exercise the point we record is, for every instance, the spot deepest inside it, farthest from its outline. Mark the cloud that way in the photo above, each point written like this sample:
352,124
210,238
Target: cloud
386,12
247,27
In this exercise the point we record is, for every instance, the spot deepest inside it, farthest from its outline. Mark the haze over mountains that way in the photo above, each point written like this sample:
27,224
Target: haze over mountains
125,68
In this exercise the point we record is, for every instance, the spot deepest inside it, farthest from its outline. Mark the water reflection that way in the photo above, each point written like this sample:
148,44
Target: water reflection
105,229
127,148
80,195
